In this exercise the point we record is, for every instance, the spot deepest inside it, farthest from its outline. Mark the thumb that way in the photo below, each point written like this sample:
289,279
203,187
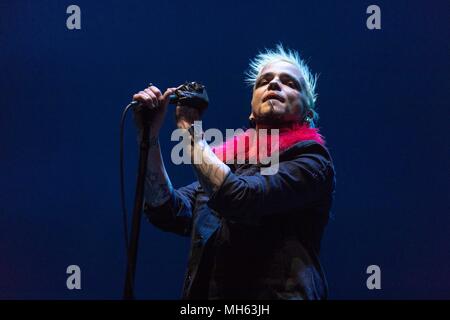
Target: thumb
166,96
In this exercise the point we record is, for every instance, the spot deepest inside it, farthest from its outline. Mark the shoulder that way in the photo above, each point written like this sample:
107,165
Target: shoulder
312,156
307,147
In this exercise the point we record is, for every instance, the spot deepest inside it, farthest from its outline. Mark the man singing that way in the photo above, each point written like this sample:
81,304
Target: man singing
253,236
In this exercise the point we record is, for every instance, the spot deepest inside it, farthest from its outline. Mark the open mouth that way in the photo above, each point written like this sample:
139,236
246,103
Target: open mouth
273,96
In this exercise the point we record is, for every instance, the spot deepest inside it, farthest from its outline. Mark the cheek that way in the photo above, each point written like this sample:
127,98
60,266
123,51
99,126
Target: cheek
256,99
296,103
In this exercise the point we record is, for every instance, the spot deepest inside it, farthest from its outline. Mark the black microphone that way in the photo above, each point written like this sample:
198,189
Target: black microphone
173,99
192,94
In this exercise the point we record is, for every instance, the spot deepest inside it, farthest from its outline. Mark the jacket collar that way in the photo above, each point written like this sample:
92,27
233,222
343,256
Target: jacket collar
289,135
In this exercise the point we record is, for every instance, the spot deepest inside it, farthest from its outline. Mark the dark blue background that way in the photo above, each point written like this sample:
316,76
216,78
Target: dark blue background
383,102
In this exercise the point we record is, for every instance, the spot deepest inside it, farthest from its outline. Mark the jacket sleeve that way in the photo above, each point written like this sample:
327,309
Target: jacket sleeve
304,181
175,215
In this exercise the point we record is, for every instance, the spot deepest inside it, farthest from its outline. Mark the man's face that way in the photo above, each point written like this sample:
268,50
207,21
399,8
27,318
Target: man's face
277,94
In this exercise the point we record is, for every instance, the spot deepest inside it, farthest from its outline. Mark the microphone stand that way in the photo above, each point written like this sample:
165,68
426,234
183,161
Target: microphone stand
193,93
128,293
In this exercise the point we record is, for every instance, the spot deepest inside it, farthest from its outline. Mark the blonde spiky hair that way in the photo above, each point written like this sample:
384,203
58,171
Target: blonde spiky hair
308,82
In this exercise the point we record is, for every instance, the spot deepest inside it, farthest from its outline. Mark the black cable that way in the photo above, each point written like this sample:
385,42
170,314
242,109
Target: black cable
122,179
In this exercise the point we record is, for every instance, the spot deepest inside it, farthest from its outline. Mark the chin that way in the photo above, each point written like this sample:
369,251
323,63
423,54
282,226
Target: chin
269,118
278,110
274,116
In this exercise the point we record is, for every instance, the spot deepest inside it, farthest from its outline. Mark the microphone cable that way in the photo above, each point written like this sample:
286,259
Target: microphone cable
122,178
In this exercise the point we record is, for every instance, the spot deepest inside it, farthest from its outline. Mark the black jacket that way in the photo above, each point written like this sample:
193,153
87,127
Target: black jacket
258,236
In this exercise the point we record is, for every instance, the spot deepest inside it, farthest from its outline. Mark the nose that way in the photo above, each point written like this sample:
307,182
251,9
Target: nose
274,84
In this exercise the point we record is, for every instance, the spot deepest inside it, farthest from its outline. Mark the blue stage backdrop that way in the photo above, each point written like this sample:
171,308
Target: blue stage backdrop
383,104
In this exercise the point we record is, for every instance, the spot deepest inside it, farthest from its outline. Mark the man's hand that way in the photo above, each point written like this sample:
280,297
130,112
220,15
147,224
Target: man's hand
185,116
152,98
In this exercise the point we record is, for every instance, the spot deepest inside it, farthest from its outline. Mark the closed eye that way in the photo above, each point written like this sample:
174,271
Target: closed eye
292,84
262,82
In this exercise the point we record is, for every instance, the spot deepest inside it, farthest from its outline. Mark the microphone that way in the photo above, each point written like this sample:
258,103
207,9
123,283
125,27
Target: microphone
173,99
192,94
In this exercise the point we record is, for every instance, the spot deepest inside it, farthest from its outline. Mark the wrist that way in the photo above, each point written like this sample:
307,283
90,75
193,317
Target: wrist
196,132
153,138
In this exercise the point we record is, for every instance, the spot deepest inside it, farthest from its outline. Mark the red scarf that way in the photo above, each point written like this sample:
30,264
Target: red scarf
288,136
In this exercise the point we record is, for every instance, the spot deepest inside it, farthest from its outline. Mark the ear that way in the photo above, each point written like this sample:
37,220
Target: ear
308,118
251,121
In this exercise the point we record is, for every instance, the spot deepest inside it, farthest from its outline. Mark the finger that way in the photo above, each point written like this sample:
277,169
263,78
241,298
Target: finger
152,96
137,97
140,96
167,93
146,96
145,99
155,91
